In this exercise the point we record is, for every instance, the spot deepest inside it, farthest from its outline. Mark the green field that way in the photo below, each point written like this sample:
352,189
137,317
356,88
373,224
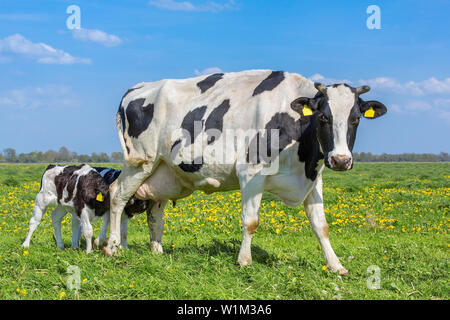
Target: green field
390,215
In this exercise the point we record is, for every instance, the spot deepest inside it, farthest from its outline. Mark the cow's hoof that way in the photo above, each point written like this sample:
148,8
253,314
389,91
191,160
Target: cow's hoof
25,245
156,247
244,261
109,251
340,270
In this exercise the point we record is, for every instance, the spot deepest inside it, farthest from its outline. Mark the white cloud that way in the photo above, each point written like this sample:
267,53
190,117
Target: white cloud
54,96
327,81
211,6
98,36
421,88
208,71
18,45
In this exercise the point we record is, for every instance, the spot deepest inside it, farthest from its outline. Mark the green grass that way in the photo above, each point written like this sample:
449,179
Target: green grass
394,216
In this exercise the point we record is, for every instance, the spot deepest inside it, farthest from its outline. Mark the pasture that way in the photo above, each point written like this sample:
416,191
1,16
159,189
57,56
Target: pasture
390,215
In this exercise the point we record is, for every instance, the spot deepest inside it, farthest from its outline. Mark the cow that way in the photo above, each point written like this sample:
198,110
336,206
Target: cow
315,126
84,191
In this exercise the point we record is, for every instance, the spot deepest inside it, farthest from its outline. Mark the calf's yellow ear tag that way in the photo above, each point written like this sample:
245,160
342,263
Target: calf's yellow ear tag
99,197
307,111
369,113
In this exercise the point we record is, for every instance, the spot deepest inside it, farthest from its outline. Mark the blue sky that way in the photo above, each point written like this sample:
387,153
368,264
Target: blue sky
61,87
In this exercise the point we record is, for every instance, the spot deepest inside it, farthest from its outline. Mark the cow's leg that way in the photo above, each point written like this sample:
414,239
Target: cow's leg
86,229
43,200
101,240
251,194
156,226
124,230
316,215
57,216
76,231
121,191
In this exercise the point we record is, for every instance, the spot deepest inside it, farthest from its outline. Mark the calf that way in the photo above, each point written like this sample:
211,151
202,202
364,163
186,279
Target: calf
83,191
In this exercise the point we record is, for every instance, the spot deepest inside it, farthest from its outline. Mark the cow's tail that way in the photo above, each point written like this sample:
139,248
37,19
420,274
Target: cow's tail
119,122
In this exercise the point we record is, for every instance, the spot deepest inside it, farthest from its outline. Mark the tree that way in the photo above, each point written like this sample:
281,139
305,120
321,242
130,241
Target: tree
10,155
116,157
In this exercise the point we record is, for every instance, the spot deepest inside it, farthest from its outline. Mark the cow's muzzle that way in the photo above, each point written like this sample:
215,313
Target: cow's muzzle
340,163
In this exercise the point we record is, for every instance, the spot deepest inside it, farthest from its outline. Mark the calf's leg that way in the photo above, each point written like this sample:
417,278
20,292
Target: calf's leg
42,201
86,229
101,240
57,216
76,231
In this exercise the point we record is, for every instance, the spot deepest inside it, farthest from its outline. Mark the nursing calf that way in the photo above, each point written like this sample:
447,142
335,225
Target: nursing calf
83,191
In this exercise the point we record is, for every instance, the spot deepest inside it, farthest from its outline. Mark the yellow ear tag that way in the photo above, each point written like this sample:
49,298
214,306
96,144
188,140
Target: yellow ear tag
307,111
99,197
369,113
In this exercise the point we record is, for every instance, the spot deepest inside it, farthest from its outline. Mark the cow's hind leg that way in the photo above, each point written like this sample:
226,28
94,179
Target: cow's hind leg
316,215
43,200
57,216
124,230
121,191
251,194
156,226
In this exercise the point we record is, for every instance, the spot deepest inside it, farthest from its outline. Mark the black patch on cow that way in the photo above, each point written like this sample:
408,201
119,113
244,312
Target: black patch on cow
209,82
309,148
62,179
215,120
303,131
189,120
71,186
193,167
288,131
270,83
88,187
139,117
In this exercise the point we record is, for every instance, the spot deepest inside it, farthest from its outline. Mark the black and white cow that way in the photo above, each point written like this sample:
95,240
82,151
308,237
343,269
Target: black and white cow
315,126
83,191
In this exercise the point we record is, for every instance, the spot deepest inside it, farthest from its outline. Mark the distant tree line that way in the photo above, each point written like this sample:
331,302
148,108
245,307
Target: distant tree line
10,155
402,157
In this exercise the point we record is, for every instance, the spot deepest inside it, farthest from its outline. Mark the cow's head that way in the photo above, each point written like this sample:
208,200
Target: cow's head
337,110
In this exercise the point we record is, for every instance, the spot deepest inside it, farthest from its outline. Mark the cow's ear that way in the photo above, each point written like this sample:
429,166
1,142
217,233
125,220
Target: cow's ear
304,106
372,109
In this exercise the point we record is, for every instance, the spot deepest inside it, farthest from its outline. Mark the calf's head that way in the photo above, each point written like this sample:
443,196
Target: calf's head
336,111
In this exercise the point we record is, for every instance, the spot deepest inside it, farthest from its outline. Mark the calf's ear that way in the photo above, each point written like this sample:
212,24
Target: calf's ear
305,106
372,109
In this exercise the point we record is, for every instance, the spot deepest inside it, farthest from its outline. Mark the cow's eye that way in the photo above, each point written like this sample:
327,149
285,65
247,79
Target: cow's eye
355,121
323,118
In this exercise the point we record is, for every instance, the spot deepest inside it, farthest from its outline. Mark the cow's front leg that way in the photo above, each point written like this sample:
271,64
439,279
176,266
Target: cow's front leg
121,191
156,226
251,194
316,215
